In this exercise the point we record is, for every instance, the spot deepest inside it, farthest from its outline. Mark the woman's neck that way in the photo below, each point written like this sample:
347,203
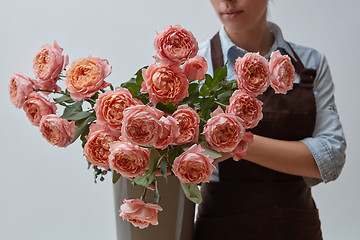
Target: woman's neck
255,39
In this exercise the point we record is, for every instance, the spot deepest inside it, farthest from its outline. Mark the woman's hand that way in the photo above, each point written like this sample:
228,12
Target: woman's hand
292,157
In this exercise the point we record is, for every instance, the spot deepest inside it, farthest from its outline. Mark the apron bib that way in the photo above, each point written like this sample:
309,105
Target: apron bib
254,202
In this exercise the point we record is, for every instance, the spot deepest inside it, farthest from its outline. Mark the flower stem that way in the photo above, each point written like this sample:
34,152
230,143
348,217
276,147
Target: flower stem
203,120
91,101
219,103
143,195
62,92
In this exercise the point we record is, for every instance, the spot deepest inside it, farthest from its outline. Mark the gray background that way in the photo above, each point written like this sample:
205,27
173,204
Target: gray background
48,193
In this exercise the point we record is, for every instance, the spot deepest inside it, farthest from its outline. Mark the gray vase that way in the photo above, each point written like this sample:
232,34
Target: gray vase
176,221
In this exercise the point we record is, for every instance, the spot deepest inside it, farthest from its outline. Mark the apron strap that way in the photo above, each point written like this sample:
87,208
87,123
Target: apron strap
217,57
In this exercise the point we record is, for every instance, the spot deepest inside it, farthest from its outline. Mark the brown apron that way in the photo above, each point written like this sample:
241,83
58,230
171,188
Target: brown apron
254,202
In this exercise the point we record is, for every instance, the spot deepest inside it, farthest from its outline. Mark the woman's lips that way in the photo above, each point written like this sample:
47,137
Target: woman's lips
232,14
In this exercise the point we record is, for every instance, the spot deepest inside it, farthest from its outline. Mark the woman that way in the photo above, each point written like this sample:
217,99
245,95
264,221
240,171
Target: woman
297,144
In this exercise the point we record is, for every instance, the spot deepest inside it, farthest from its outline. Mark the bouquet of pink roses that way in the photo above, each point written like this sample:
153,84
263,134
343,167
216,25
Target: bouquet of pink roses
171,118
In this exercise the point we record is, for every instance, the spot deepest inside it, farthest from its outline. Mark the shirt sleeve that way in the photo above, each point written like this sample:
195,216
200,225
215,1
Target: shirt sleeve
327,144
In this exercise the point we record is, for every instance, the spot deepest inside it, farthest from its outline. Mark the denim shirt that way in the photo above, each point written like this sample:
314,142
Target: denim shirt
327,143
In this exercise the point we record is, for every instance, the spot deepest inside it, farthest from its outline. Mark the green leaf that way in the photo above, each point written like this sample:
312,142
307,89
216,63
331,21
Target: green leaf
206,105
77,115
144,180
83,137
192,87
214,154
116,176
77,106
156,193
144,98
163,168
162,152
224,96
211,83
139,77
175,153
154,160
192,192
193,95
96,95
82,125
71,108
131,80
208,151
132,86
202,138
64,98
220,73
204,90
168,107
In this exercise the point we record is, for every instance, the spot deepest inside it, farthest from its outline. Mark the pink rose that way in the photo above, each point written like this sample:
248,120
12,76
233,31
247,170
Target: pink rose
282,72
37,106
223,131
57,131
48,64
193,166
188,120
97,147
195,68
246,107
110,105
240,151
129,160
252,73
141,125
164,83
140,214
102,127
20,87
174,45
86,76
170,132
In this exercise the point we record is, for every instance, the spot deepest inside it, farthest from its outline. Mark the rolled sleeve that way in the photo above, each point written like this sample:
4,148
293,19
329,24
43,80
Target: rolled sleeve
324,159
327,144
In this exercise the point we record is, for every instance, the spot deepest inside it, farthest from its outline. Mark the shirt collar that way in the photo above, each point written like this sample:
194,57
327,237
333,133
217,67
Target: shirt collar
231,51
